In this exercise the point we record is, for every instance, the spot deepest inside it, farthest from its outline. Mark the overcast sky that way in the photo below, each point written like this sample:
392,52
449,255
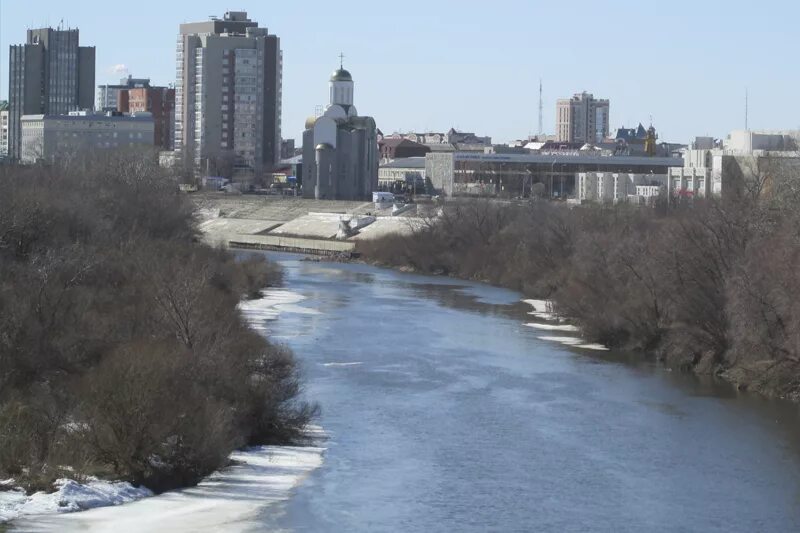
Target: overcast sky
433,64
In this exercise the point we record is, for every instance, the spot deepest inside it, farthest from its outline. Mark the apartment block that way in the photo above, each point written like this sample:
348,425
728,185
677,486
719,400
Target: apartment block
228,94
582,119
51,74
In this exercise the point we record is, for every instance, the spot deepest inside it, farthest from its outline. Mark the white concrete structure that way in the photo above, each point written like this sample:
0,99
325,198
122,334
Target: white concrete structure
748,141
48,137
720,172
614,187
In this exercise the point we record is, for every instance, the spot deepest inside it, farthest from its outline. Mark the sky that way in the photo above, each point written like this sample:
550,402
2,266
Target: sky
434,64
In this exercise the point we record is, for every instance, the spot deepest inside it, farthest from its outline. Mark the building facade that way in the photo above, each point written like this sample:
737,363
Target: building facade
159,102
51,74
514,175
402,174
3,129
51,137
108,95
340,148
228,94
752,162
582,119
615,187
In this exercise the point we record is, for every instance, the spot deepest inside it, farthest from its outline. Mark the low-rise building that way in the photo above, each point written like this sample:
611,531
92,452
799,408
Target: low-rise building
615,187
514,175
394,148
744,167
49,137
402,174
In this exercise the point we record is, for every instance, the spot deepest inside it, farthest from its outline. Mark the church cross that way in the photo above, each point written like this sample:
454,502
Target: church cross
341,60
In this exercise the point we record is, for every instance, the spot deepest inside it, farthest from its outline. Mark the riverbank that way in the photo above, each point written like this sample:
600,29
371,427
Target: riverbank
687,287
254,479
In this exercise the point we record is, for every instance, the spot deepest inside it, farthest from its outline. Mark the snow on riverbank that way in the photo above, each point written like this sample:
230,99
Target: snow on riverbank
273,302
229,500
69,497
542,309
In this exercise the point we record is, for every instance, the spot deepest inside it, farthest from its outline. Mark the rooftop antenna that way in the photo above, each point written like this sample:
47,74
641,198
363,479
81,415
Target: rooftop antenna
541,109
341,60
746,110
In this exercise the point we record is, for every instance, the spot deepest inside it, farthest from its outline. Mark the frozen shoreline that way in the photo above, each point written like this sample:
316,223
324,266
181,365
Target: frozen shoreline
229,498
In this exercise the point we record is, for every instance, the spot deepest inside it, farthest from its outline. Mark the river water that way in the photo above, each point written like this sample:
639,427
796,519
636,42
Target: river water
447,413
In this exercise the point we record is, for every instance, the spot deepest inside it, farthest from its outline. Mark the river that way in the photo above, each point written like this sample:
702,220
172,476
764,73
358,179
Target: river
445,412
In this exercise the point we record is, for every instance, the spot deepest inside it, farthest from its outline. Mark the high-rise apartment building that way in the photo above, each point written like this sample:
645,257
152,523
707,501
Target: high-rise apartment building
159,102
582,119
51,74
228,94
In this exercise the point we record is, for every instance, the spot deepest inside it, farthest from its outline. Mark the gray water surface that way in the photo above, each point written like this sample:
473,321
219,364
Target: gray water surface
451,415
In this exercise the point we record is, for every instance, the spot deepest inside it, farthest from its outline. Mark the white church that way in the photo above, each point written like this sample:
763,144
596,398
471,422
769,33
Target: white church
340,148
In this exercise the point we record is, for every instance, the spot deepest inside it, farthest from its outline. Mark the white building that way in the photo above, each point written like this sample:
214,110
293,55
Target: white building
748,157
50,137
340,148
3,129
615,187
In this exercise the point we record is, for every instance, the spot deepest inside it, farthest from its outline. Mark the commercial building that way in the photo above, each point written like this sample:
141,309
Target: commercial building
52,137
108,95
582,119
340,148
51,74
228,95
514,175
159,102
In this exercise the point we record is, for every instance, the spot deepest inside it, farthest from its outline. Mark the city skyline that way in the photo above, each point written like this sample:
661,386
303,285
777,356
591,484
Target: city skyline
437,66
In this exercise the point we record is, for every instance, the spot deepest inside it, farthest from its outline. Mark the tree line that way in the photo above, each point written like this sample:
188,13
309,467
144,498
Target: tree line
708,286
122,352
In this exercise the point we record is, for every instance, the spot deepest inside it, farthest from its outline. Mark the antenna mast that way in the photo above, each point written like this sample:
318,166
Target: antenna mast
746,110
541,109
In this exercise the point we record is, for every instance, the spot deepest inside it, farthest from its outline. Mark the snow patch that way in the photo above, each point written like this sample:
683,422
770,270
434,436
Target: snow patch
269,307
542,310
70,496
553,327
569,341
229,500
333,365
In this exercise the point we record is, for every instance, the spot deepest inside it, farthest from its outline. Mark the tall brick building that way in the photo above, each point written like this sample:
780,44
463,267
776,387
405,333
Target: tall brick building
158,101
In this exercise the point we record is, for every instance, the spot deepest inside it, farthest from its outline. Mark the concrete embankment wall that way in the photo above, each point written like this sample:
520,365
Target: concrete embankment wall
292,244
